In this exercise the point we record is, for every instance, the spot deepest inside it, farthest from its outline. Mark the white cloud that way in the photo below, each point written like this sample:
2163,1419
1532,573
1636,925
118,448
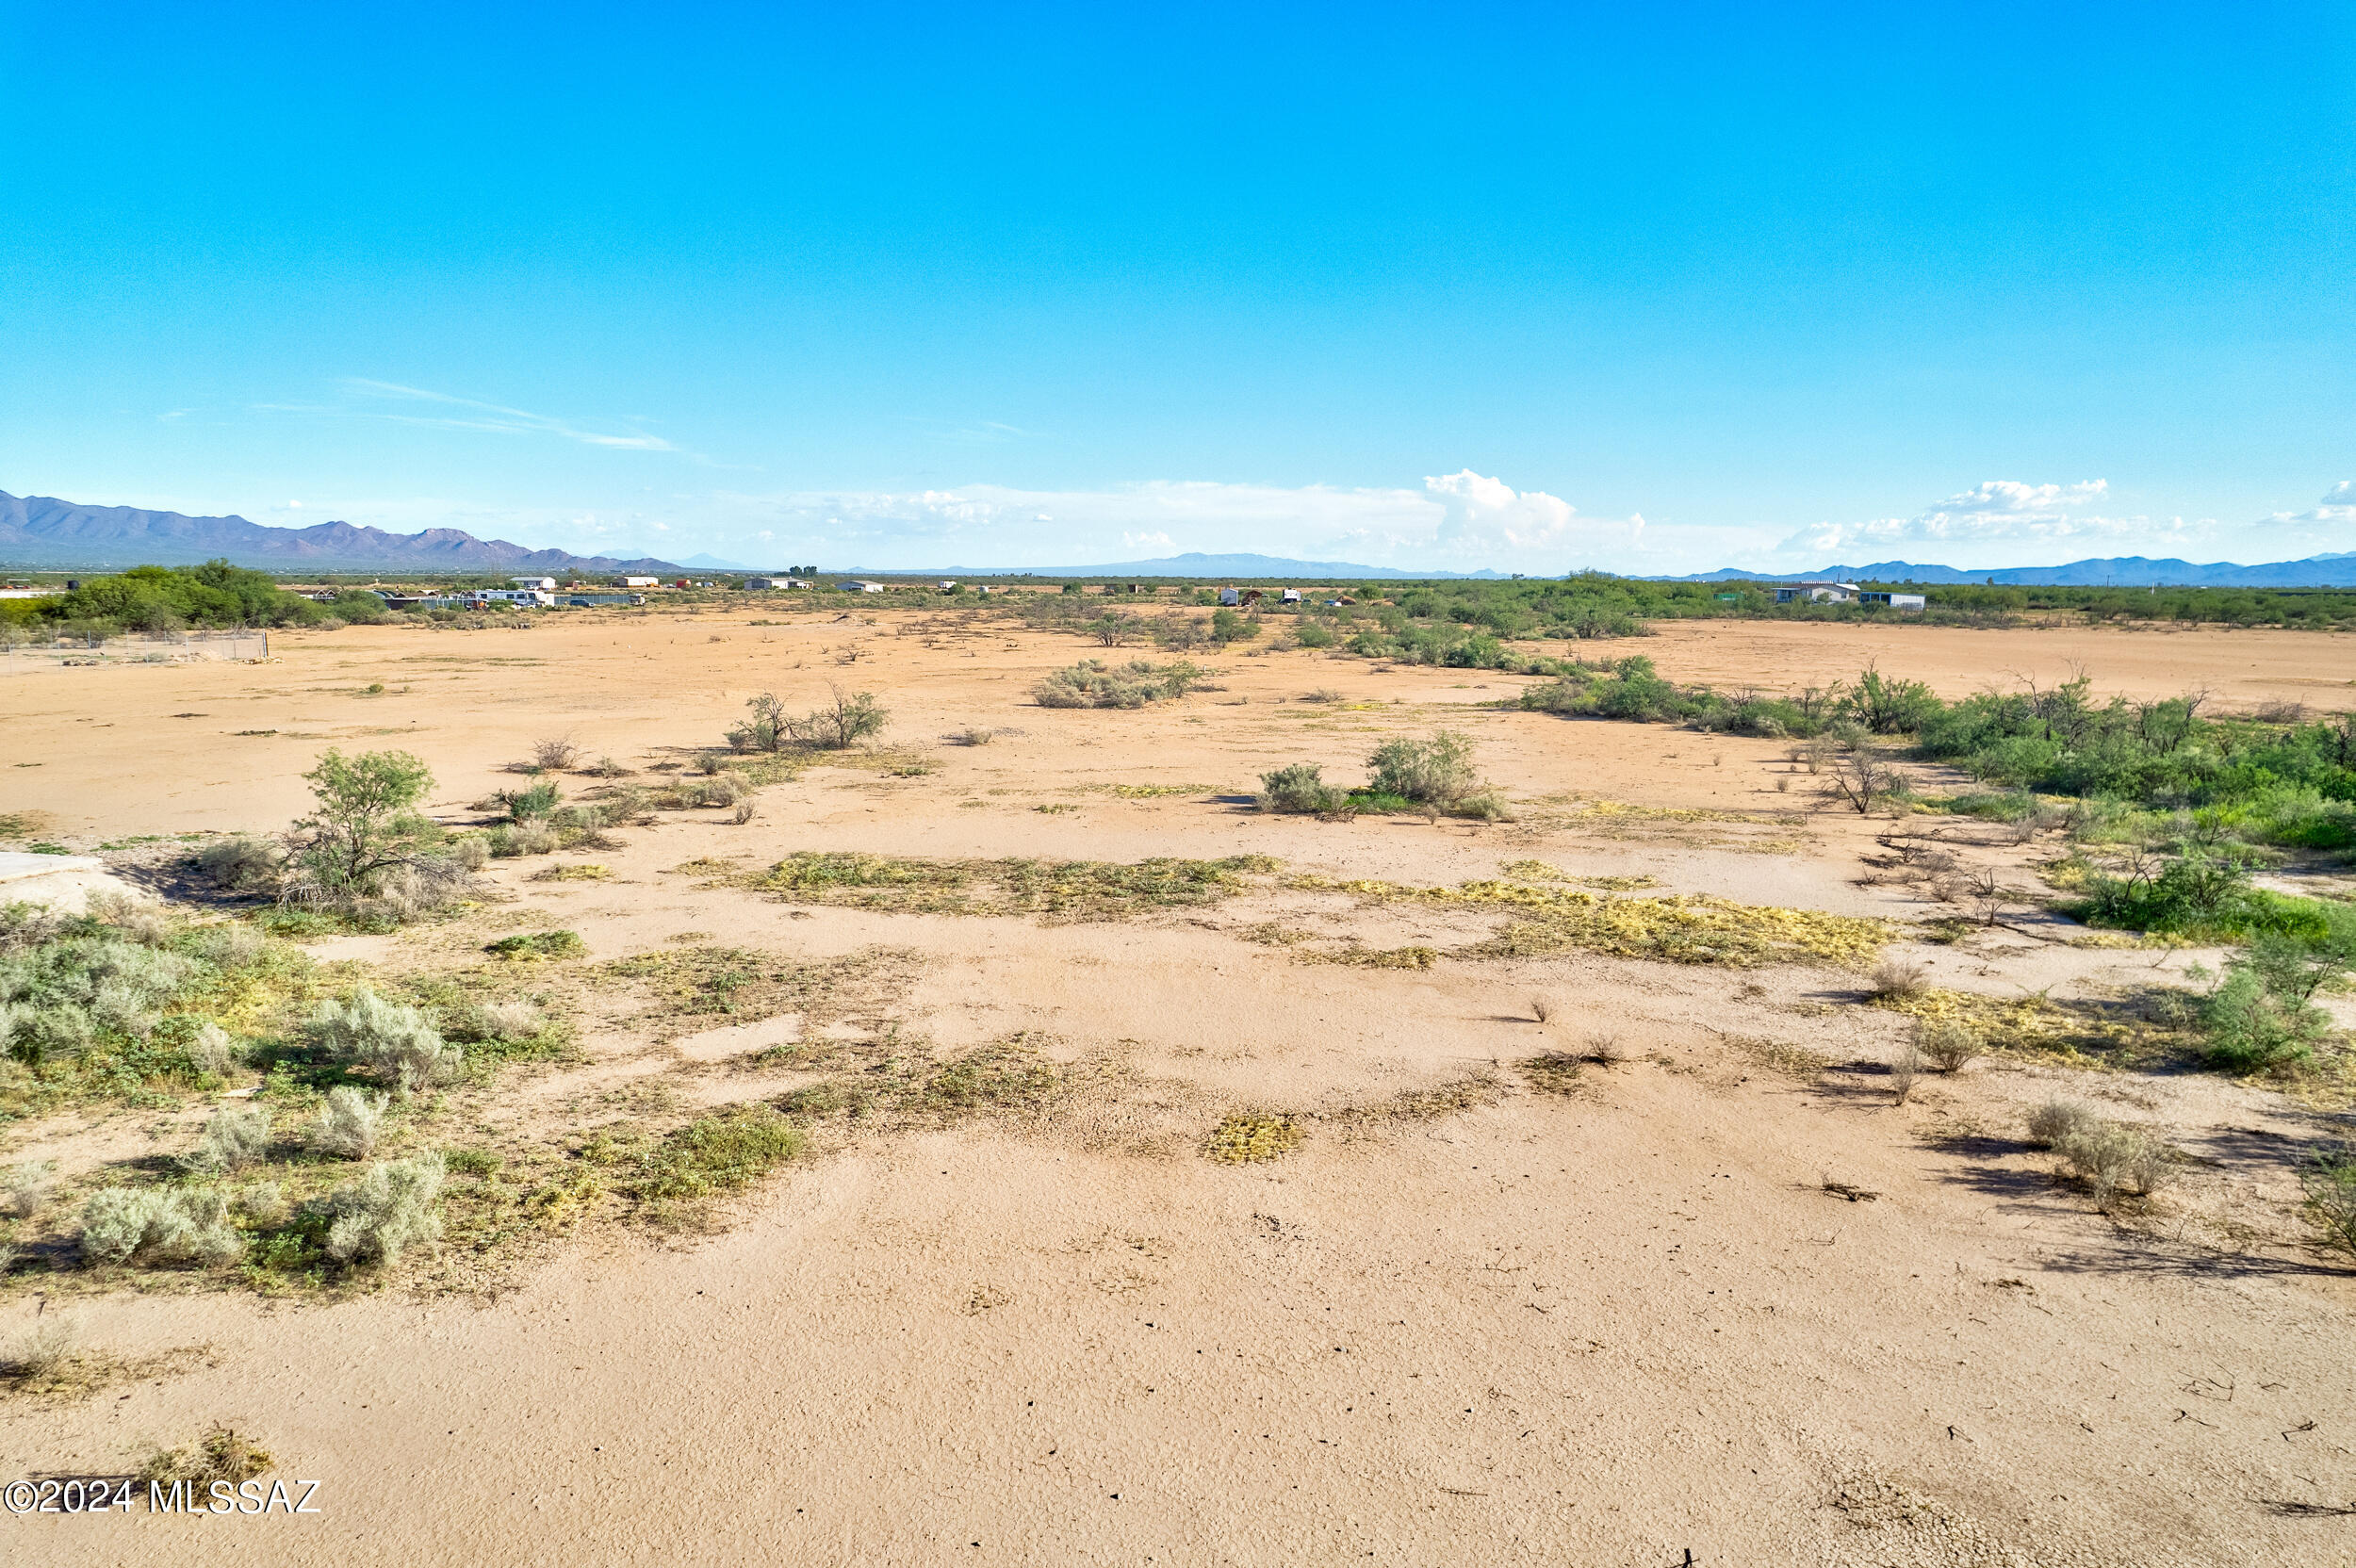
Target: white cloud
1998,511
1146,541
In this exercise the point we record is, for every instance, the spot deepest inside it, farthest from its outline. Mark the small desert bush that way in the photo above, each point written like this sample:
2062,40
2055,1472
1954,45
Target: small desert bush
223,1454
2330,1177
42,1350
845,721
1605,1049
1301,787
744,811
1093,683
976,737
233,1136
1945,1043
555,753
1896,978
210,1049
397,1045
1541,1008
2111,1157
507,840
395,1206
1437,771
1554,1072
511,1021
159,1225
24,1188
2056,1119
530,804
239,864
349,1122
1903,1068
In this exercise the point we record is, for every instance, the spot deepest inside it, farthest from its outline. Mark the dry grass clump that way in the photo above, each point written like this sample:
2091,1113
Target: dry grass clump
40,1352
583,871
1250,1140
240,863
1896,978
24,1188
1541,1007
975,736
1604,1049
1357,955
1554,1072
689,989
744,812
223,1454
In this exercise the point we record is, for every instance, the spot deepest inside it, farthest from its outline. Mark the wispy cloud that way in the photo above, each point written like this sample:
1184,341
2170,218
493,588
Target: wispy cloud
392,402
1997,511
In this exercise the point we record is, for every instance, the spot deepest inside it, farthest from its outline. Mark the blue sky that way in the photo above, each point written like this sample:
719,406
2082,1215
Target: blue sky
1654,288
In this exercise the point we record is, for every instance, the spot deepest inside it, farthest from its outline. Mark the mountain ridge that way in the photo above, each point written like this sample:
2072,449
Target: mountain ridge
46,531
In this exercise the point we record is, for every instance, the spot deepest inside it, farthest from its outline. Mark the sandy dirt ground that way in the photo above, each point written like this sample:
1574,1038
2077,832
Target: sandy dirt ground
1468,1319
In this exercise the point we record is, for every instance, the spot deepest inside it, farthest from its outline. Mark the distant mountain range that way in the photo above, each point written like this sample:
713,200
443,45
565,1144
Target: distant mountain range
2115,571
44,532
41,531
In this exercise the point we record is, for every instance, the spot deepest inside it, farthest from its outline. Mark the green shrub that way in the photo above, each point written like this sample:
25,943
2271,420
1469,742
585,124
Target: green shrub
1435,770
392,1208
397,1045
159,1225
235,1135
845,721
2329,1176
530,804
1092,683
349,1122
1301,787
716,1153
538,944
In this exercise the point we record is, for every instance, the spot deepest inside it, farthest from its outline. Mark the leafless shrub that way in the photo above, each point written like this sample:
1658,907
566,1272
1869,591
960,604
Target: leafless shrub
1604,1049
744,812
555,753
1541,1008
1860,779
1904,1068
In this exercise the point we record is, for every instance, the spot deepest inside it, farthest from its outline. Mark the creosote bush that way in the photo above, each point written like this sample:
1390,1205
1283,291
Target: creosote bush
2056,1119
1946,1044
843,723
2111,1157
1092,683
1435,770
1301,787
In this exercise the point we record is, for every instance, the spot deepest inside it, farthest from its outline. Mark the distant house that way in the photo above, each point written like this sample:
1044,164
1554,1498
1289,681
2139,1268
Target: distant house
945,584
856,586
1817,592
1895,601
637,582
765,583
545,584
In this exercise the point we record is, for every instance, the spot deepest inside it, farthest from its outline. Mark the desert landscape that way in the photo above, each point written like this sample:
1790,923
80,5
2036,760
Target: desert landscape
1002,1138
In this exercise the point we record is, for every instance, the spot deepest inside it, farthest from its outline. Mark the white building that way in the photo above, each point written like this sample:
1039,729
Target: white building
855,586
545,584
636,582
1895,601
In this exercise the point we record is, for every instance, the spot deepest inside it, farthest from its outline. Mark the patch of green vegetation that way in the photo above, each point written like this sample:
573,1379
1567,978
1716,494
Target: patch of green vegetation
713,1155
538,944
1252,1140
1687,928
692,988
1060,889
